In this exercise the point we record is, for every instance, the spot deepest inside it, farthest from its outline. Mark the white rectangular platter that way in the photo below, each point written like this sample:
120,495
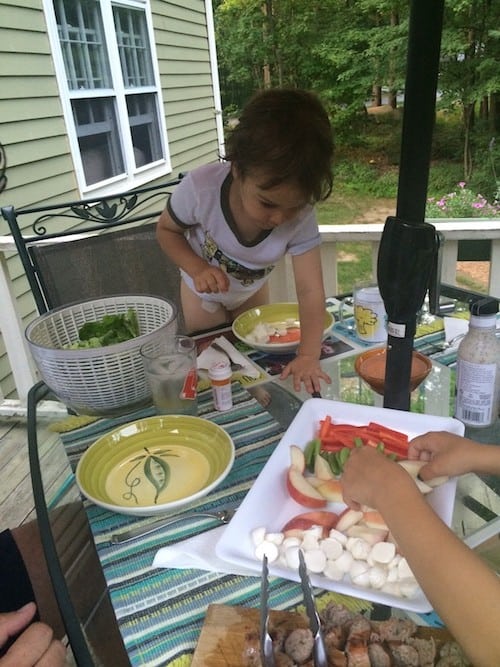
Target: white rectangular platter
268,503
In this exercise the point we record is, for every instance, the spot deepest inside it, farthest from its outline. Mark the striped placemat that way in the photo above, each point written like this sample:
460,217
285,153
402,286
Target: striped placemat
160,612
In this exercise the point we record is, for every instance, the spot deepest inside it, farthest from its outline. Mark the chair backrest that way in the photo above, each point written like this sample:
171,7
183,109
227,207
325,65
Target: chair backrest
89,249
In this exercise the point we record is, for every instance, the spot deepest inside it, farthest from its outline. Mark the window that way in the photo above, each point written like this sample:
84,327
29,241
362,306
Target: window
109,82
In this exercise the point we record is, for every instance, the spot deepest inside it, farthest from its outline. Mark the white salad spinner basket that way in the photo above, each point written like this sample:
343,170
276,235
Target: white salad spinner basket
106,380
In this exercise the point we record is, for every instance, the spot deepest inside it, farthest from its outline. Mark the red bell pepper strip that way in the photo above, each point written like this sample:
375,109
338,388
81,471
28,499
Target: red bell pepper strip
337,436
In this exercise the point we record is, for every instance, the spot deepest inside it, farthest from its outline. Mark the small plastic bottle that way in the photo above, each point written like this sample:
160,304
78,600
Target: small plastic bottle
478,367
220,376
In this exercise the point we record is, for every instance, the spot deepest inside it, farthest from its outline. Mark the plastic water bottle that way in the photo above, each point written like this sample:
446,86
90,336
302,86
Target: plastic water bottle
478,367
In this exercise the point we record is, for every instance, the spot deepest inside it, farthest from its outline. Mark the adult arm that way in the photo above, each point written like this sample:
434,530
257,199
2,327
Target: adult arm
458,584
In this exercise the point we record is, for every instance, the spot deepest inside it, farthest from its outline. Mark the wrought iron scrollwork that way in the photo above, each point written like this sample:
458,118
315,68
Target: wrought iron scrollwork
3,168
108,212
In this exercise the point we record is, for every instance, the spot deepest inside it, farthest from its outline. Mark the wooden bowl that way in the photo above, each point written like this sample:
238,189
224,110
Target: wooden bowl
370,366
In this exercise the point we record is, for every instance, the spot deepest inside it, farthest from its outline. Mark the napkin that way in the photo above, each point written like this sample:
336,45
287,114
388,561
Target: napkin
209,356
454,329
199,553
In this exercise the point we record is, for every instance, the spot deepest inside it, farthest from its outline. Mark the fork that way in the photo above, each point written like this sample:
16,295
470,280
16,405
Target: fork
234,367
223,516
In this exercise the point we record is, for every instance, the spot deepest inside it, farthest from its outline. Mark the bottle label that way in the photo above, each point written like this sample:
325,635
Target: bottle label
223,397
476,393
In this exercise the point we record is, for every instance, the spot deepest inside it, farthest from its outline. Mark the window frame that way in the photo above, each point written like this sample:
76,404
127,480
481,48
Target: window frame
132,176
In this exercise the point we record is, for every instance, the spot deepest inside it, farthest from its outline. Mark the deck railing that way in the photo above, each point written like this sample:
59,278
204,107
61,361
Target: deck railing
18,370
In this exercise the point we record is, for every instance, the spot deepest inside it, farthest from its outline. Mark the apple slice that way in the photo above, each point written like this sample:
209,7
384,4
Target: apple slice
413,467
331,490
327,520
297,459
348,518
322,470
374,519
314,481
301,491
370,535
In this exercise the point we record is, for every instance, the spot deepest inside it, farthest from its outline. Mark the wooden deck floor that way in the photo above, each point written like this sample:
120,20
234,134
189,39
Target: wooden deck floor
16,497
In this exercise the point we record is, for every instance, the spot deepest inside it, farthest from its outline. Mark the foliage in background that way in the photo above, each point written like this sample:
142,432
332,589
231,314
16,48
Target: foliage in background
340,50
469,74
346,51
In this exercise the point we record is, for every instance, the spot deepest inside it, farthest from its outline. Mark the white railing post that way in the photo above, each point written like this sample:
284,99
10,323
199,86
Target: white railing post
13,335
494,286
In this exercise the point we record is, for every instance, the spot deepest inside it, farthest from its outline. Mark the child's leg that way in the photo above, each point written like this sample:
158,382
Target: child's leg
196,316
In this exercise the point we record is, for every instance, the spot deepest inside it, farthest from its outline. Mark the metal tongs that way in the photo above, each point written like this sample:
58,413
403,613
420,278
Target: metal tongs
266,643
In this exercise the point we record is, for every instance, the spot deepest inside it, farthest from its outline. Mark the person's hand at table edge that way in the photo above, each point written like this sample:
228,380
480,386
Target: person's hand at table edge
35,646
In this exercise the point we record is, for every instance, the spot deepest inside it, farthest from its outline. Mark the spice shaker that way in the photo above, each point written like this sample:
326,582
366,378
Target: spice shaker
478,367
220,377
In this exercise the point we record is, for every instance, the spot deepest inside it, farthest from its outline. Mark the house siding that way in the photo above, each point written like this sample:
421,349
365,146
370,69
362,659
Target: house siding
32,127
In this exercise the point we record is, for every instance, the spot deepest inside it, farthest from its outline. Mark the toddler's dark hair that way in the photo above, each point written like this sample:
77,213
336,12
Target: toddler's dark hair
286,134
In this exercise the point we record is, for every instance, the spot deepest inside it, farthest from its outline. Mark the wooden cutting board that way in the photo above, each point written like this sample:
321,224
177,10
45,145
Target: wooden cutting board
230,633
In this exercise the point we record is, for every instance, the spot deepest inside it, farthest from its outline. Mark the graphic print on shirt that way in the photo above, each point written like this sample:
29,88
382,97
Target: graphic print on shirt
212,253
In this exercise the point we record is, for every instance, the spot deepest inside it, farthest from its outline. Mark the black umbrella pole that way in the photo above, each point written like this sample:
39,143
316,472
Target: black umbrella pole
424,44
397,373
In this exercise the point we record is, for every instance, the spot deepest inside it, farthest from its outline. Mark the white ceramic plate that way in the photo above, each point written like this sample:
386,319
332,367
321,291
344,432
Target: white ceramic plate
269,491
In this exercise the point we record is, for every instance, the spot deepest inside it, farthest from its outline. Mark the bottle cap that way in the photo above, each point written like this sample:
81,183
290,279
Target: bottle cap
486,306
221,370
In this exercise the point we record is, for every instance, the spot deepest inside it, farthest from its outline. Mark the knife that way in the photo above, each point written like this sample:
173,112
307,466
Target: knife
266,642
319,650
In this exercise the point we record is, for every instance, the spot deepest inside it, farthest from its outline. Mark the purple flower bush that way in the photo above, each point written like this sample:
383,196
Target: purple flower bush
463,203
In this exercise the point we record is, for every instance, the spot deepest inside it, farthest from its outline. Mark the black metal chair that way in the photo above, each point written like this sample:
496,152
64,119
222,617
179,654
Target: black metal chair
91,248
73,251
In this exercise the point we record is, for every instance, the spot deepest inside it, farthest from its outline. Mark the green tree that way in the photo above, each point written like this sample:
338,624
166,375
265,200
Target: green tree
340,49
470,73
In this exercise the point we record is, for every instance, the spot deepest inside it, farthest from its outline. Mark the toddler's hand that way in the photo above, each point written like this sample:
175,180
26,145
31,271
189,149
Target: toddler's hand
307,370
211,280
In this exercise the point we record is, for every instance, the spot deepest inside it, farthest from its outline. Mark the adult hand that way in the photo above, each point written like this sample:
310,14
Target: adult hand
211,280
367,474
446,453
35,647
305,369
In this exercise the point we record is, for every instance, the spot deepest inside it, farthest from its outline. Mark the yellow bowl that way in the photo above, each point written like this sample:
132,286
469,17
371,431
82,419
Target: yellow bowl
370,366
156,464
272,314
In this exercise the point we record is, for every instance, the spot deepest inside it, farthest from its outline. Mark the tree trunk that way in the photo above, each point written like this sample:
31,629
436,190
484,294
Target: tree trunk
494,113
468,114
377,96
484,108
267,10
393,94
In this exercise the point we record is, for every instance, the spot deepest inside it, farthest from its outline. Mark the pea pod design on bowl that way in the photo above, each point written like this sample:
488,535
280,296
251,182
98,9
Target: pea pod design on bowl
155,464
